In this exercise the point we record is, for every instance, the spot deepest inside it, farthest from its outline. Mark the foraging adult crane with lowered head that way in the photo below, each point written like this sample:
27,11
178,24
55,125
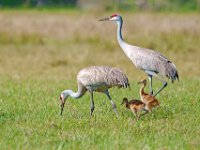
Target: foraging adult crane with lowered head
96,79
152,62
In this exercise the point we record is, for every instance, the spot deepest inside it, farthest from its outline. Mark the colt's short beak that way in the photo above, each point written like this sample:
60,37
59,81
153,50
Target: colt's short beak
104,19
139,82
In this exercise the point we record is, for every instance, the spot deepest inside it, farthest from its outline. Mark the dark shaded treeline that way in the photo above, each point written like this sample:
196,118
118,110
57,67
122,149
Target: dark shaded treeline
158,5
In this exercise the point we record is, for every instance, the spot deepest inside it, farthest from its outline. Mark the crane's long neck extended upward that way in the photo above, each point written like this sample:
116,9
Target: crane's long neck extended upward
123,45
119,31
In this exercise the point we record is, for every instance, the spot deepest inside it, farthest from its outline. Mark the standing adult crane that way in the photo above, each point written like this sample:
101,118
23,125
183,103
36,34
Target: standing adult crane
96,79
152,62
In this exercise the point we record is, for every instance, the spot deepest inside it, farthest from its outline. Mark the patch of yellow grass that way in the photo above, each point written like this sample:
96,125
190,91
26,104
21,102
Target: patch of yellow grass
58,45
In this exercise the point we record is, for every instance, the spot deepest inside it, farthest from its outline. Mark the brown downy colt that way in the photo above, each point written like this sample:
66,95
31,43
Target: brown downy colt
149,100
135,106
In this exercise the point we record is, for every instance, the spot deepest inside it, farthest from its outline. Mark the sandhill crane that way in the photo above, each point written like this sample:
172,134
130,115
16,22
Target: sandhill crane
135,106
150,61
148,99
96,79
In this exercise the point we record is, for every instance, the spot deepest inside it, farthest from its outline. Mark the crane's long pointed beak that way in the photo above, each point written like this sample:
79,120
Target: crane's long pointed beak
104,19
62,104
62,107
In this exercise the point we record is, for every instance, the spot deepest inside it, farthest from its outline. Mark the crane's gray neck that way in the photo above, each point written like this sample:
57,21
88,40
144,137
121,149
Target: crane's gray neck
67,93
119,30
120,40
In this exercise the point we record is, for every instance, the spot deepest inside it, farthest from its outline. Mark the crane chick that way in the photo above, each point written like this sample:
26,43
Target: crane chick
149,100
96,79
135,106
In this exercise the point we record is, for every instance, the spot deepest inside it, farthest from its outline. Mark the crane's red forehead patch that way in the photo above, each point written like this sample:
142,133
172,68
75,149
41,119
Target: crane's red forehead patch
114,15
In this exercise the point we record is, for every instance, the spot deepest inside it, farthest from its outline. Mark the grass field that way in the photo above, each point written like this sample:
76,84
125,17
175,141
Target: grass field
41,53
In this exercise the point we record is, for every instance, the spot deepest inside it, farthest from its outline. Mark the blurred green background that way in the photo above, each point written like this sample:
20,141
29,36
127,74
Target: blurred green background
153,5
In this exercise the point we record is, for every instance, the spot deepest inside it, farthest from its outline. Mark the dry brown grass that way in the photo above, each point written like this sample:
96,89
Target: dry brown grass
40,45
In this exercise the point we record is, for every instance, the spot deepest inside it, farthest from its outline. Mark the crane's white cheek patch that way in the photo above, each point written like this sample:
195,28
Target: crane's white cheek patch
113,18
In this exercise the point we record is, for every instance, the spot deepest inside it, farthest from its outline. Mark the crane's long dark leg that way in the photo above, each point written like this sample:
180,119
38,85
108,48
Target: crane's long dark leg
92,104
164,82
150,79
113,104
164,85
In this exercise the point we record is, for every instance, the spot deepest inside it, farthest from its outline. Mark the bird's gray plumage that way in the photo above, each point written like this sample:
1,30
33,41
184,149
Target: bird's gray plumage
146,59
150,61
100,77
96,79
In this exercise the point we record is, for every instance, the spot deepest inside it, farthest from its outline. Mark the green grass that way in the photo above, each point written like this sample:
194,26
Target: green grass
41,54
30,118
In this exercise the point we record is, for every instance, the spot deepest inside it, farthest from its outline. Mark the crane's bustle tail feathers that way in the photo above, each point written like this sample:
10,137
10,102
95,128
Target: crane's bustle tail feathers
169,70
118,78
